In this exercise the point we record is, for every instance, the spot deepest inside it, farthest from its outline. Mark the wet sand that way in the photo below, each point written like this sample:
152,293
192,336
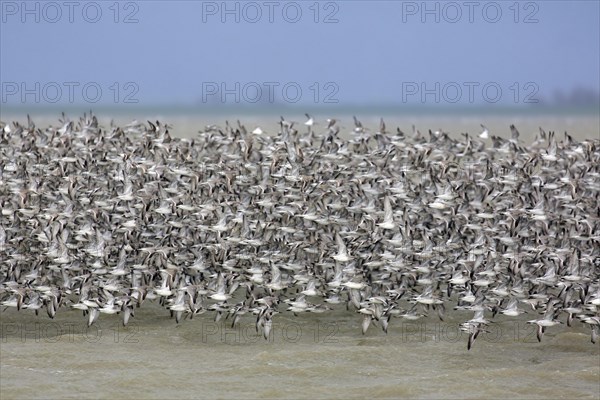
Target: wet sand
305,357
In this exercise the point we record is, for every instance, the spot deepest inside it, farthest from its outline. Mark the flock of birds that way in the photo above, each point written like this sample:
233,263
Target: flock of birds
237,222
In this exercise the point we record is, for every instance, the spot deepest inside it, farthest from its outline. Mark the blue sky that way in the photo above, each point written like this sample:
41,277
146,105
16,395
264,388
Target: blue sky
305,52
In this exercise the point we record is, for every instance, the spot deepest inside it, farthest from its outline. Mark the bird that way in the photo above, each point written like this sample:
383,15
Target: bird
309,121
342,254
388,219
484,134
242,223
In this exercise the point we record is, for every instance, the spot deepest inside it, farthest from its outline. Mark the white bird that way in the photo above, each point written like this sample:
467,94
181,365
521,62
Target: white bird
485,133
220,292
311,288
342,254
388,218
473,329
511,309
310,121
545,322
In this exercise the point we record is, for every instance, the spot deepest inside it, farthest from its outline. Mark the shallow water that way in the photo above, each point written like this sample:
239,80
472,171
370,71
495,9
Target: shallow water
309,356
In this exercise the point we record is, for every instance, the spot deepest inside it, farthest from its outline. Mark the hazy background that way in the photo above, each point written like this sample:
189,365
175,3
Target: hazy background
349,53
